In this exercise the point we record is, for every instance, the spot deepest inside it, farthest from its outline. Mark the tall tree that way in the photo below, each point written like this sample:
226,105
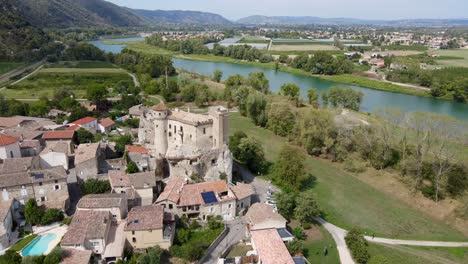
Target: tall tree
217,76
312,95
289,168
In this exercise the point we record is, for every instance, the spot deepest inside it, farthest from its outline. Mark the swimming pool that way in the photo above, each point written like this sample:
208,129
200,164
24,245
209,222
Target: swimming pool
39,245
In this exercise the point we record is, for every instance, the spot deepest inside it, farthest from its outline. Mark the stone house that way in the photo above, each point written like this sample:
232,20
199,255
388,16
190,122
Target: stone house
264,216
55,155
243,193
87,160
139,187
76,256
6,224
140,155
89,230
88,123
149,226
114,203
52,137
192,144
199,200
9,147
30,148
48,186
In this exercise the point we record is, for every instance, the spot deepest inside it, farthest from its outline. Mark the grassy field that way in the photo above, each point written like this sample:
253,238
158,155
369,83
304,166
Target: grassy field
141,46
315,248
47,80
23,242
9,66
416,255
457,62
309,47
349,202
82,64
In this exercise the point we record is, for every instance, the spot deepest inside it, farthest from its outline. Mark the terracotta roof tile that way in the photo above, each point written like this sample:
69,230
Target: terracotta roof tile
107,200
76,256
119,179
86,224
260,212
84,120
160,107
106,122
137,149
148,217
270,247
73,127
242,190
58,135
6,122
7,140
172,189
85,152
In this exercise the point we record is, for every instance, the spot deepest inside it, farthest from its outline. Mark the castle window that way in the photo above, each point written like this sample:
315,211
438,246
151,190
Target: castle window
170,126
175,129
204,131
134,239
170,206
213,162
170,134
56,187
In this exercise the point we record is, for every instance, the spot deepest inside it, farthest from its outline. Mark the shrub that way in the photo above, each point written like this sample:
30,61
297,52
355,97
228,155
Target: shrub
32,212
55,256
51,215
132,168
10,257
215,222
353,166
67,220
94,186
358,246
295,247
299,233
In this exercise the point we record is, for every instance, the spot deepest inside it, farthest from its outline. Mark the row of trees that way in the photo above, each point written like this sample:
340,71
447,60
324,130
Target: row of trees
319,62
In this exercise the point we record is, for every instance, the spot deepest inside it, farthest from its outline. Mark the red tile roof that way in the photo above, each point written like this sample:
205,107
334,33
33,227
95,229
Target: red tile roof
148,217
137,149
106,122
58,134
73,127
270,247
84,120
160,107
7,140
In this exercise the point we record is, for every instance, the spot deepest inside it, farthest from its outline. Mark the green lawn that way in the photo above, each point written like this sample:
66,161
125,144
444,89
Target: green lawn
347,202
456,55
141,46
416,255
315,249
23,242
9,66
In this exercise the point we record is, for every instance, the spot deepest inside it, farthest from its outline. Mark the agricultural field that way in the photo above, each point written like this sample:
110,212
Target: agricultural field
305,47
47,80
82,64
9,66
255,40
453,58
345,198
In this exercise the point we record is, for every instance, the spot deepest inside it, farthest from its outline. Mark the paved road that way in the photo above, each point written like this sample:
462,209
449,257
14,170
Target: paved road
237,229
135,80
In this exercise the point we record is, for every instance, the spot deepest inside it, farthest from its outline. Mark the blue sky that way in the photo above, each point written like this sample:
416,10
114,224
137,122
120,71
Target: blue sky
364,9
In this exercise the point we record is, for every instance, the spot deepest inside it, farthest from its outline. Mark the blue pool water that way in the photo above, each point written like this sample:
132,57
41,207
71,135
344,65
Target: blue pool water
39,245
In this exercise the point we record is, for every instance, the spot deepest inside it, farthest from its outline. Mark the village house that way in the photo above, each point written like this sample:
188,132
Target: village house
93,230
136,111
30,148
6,224
114,203
9,147
139,187
192,144
105,125
55,155
52,137
199,200
87,160
140,155
47,186
149,226
88,123
243,193
270,248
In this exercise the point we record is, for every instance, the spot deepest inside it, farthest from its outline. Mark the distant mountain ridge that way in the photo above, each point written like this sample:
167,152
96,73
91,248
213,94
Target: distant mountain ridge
181,17
291,20
77,13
